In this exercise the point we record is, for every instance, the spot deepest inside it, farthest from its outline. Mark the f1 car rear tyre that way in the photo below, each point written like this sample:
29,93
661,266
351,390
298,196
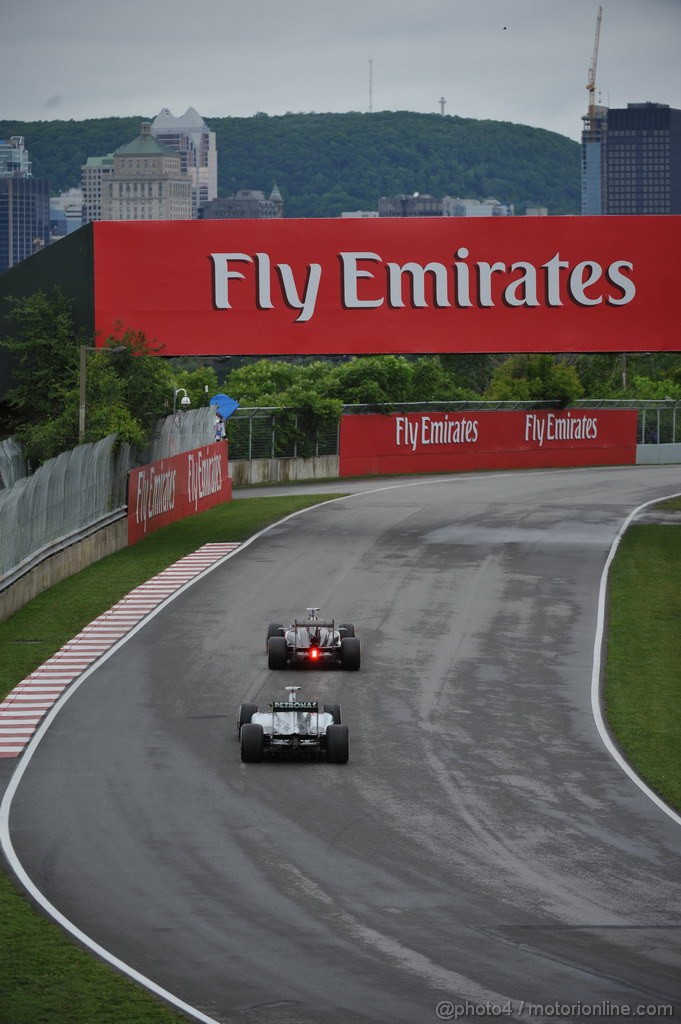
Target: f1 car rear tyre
350,656
246,712
348,627
274,629
334,709
252,742
276,652
337,744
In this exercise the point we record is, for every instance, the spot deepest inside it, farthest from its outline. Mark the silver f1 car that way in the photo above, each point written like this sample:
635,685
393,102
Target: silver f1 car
292,727
313,642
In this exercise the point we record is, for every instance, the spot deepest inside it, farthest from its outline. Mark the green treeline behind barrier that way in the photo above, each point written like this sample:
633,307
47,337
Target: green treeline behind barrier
325,164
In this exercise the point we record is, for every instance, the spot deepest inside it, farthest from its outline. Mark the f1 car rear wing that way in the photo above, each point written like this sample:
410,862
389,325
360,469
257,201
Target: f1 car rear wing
294,705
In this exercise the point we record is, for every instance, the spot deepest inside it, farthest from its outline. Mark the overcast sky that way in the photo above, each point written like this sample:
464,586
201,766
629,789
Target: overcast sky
524,61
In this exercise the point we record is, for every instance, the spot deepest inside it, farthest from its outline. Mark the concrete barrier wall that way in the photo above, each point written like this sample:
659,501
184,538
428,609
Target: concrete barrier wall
658,454
246,473
62,564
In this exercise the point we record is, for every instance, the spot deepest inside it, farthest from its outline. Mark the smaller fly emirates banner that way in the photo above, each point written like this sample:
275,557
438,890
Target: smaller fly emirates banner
173,488
404,285
457,442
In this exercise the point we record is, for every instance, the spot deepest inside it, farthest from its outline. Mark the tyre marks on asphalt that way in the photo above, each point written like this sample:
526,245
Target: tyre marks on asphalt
26,705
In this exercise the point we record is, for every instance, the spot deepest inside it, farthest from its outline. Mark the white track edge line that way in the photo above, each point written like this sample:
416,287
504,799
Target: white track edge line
596,681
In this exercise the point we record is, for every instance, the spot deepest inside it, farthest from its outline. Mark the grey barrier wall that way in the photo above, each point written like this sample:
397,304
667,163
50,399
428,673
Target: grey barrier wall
77,554
656,454
251,472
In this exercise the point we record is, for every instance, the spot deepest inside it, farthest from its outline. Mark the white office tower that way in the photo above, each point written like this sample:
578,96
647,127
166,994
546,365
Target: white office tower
191,138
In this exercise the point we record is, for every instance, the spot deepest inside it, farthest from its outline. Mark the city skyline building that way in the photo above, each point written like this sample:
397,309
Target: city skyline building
14,159
66,213
641,160
192,139
592,145
24,205
93,173
631,160
418,205
247,203
146,183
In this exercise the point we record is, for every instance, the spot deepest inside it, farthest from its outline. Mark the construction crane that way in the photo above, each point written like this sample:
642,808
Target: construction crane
591,83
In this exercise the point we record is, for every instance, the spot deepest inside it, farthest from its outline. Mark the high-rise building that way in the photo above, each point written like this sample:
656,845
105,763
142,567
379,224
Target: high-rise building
631,160
190,137
93,174
593,147
147,182
641,160
14,157
24,205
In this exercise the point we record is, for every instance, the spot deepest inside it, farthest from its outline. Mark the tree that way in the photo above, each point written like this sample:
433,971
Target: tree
535,377
126,391
200,384
432,382
373,380
46,345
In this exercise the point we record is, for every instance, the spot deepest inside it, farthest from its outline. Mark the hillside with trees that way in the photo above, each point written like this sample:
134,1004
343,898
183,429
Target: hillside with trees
327,163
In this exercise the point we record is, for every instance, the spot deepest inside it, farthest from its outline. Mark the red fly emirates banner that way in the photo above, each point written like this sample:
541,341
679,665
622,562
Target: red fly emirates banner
456,442
350,285
173,488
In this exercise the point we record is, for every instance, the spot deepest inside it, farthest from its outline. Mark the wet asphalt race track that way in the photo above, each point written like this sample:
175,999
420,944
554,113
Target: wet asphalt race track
481,848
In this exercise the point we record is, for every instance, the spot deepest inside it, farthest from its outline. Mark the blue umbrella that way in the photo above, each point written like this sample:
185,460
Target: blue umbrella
225,405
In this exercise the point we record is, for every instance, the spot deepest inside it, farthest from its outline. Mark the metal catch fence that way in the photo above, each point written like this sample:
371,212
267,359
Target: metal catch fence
80,488
12,463
61,498
273,433
659,420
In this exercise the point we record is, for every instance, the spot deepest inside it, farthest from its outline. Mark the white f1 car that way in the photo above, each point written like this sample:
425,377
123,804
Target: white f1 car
292,726
313,642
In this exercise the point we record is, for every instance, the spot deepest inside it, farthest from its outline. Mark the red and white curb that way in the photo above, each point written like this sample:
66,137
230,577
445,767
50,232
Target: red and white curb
23,709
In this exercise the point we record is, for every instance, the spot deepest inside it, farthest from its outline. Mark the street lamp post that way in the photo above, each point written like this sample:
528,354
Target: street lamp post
84,349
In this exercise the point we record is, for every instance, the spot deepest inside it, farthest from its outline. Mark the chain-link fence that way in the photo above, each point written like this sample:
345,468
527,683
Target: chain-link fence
269,433
659,420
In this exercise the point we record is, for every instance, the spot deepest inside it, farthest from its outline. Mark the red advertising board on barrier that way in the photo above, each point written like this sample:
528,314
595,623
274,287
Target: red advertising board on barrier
445,442
162,492
350,285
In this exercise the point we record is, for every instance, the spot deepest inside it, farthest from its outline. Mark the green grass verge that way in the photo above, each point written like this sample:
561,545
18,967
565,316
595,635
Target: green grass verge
47,979
643,687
